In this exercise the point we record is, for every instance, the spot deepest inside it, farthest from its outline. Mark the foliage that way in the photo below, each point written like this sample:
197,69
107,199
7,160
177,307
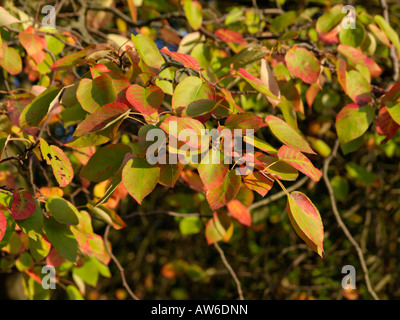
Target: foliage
80,100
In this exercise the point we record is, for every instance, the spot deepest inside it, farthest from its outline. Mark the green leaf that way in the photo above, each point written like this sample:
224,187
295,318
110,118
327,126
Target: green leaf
116,180
37,110
148,51
257,84
358,88
39,248
188,90
260,144
62,210
59,162
201,107
388,30
92,94
352,122
193,11
24,262
282,170
105,162
296,159
306,220
140,178
361,174
88,272
61,238
340,188
190,225
352,37
280,22
10,59
73,293
330,19
288,135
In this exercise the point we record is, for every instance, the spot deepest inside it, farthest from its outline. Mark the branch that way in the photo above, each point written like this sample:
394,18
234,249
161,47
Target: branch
120,268
341,223
393,54
231,271
168,213
278,195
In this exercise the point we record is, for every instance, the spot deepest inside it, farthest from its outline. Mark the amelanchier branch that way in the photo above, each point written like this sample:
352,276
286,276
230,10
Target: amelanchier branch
341,223
393,54
230,269
120,268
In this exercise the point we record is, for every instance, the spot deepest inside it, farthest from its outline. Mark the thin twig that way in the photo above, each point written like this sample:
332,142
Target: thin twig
278,195
120,268
231,271
393,54
168,213
341,223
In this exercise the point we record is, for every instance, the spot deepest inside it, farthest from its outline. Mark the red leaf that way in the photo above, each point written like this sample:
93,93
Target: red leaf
193,180
225,192
102,117
145,100
341,73
213,172
3,225
239,212
229,36
296,159
259,183
357,57
23,205
187,60
54,258
386,126
303,64
33,45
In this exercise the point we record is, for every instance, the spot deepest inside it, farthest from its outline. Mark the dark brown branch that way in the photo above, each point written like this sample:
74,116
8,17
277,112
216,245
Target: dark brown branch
120,268
341,223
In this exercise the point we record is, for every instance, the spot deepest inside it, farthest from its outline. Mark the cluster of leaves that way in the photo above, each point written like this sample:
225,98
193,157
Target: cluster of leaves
106,97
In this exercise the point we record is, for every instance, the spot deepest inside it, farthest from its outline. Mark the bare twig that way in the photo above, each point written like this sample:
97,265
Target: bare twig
393,54
231,271
120,268
168,213
278,195
341,223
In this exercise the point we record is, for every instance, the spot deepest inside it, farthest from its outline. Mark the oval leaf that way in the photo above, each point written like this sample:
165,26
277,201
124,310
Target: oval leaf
140,178
306,220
